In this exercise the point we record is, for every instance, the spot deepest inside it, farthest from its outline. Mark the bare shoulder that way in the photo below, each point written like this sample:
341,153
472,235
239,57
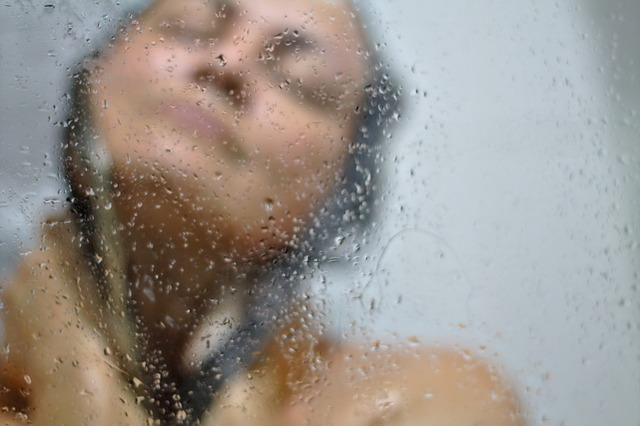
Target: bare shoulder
417,386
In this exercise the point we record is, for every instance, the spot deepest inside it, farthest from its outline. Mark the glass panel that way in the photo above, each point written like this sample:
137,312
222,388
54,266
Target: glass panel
274,206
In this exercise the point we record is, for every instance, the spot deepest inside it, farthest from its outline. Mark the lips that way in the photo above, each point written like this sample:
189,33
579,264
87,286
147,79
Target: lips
196,120
205,126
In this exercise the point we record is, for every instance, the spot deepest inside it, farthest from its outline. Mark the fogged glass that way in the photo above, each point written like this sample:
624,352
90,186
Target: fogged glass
453,176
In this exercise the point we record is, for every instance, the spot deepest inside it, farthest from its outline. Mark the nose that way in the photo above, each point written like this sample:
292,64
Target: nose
229,83
229,66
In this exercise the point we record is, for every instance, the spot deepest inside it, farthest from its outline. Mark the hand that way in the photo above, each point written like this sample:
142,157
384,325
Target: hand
56,368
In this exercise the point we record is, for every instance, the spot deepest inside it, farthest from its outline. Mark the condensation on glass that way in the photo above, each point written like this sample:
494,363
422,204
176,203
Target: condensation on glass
319,212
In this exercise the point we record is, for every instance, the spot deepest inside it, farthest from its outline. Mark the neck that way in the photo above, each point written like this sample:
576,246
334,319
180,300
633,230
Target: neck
175,282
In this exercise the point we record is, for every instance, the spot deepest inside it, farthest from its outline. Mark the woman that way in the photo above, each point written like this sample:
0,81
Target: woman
206,155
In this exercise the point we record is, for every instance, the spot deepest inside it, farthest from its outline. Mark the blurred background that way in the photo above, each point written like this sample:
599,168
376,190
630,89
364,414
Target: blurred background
509,221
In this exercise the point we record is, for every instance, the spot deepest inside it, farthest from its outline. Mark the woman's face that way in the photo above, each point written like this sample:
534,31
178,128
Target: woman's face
230,119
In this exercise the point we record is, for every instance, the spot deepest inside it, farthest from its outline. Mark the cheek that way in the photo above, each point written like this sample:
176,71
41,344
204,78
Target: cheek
301,140
132,73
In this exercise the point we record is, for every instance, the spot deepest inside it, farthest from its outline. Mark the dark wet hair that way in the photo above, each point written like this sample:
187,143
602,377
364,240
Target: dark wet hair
353,204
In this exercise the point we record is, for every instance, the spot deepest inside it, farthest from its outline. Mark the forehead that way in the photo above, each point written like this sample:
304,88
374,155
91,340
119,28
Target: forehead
336,15
314,12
